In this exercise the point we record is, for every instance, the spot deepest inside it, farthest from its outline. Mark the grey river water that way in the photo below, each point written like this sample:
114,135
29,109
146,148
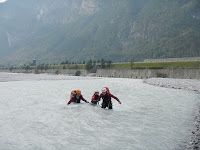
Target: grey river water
34,115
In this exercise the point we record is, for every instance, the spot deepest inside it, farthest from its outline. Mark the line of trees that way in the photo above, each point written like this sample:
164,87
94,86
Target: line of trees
92,66
85,62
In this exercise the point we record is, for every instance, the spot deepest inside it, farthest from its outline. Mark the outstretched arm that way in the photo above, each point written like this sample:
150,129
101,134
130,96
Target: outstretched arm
71,100
84,99
99,98
115,98
93,99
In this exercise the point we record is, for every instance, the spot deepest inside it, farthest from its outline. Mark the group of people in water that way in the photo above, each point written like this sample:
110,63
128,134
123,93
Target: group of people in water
76,97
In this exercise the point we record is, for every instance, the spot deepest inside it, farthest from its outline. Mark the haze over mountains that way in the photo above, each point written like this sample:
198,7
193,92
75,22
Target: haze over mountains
2,1
118,30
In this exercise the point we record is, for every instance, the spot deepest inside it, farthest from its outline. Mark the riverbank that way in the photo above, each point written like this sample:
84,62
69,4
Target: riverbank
6,77
120,73
186,84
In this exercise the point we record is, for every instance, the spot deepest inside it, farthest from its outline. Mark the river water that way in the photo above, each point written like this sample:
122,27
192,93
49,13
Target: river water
34,115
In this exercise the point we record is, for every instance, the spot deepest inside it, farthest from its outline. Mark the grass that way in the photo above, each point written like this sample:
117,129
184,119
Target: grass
160,65
78,66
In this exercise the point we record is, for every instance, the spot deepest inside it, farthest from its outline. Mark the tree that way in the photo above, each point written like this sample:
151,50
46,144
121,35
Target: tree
89,65
103,63
27,68
57,72
11,68
109,63
37,71
131,63
46,67
64,67
78,73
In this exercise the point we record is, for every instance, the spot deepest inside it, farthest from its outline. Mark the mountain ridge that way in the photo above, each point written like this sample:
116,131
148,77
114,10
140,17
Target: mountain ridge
115,30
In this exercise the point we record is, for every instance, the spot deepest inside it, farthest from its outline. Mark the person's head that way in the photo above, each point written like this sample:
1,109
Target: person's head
96,92
78,92
104,91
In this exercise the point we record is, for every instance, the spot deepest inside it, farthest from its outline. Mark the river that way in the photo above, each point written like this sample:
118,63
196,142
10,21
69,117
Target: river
34,115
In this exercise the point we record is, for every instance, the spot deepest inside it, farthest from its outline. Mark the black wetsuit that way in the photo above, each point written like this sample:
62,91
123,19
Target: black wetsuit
107,100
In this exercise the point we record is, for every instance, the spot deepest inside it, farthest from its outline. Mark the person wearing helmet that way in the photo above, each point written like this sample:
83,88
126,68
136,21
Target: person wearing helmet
107,89
95,97
106,96
76,97
72,93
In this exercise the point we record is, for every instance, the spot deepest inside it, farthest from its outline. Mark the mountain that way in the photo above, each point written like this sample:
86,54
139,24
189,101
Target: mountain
77,30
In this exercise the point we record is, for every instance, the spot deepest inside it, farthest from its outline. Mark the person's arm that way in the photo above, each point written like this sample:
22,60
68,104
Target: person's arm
93,98
71,100
84,99
115,98
99,97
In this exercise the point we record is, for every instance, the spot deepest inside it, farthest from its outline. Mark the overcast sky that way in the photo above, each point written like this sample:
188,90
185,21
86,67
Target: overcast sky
1,1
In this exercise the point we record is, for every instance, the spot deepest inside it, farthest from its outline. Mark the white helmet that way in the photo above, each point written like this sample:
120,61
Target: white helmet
96,91
104,90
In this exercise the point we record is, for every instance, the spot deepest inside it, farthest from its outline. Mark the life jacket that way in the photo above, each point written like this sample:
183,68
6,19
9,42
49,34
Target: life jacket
77,99
96,97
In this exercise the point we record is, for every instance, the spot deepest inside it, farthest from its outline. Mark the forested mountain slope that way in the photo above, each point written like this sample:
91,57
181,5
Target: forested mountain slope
76,30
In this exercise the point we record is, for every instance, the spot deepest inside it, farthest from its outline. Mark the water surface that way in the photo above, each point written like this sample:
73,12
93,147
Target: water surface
34,115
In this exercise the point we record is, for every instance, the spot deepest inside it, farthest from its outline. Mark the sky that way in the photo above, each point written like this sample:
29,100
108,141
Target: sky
1,1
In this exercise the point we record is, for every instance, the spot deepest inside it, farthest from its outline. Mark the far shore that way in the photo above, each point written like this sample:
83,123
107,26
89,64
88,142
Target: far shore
186,84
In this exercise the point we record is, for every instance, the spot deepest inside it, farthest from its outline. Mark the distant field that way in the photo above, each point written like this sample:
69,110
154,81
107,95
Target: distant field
160,65
78,66
156,65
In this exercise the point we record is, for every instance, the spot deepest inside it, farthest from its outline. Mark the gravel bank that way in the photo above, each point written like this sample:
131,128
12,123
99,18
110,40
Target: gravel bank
6,77
186,84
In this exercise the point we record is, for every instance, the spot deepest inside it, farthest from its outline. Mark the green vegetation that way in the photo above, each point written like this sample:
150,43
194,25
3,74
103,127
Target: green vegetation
120,30
94,67
57,72
160,65
78,73
70,66
161,75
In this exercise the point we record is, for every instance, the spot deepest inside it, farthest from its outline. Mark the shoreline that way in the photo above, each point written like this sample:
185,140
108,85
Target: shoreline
120,73
185,84
7,77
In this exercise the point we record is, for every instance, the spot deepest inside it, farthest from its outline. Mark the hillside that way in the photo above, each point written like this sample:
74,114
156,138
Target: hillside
76,30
